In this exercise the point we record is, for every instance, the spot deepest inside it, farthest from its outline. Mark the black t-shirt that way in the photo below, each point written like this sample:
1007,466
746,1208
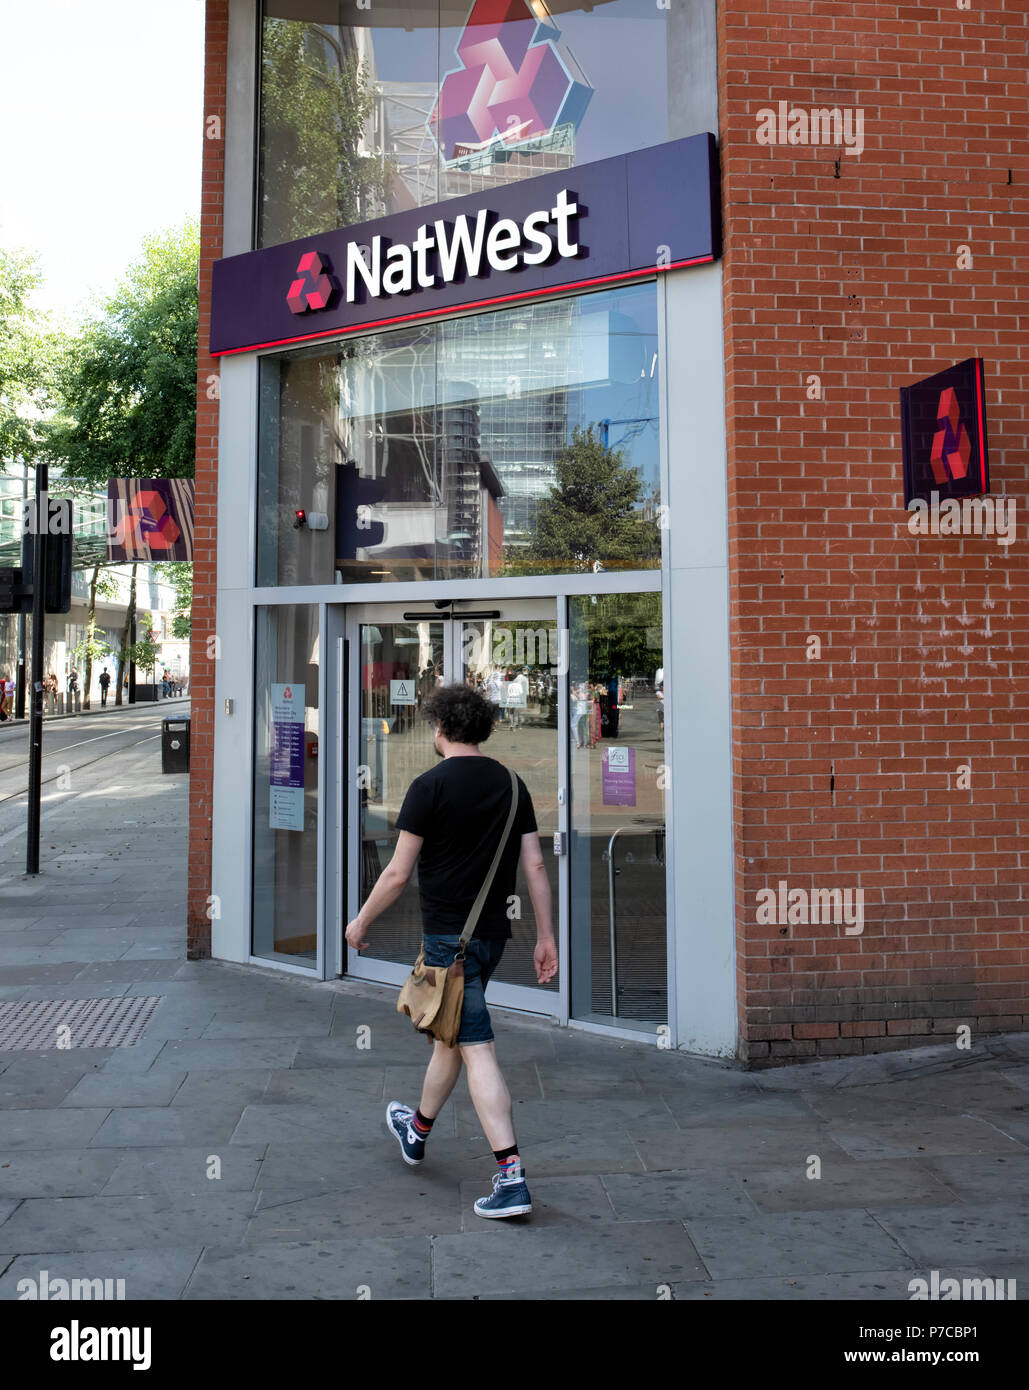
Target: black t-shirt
460,808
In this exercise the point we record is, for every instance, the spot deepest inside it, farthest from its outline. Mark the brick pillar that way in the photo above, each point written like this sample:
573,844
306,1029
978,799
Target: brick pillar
848,273
205,578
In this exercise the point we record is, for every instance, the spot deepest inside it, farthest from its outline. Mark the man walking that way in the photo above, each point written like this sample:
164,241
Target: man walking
105,681
450,824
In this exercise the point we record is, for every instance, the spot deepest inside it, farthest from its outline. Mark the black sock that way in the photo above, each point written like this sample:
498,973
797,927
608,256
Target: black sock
502,1155
421,1124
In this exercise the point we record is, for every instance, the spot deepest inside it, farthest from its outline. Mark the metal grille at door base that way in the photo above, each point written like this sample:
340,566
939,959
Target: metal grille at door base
40,1024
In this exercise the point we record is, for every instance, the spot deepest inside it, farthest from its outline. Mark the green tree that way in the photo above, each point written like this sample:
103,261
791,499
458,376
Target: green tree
316,102
27,357
592,517
127,382
144,654
180,574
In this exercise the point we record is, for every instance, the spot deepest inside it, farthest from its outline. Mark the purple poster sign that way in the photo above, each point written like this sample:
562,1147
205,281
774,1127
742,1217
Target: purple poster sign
149,519
618,776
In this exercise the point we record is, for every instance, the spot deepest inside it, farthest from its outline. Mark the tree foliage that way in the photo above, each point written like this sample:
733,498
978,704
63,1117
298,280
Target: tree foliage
591,518
27,355
315,105
127,382
180,574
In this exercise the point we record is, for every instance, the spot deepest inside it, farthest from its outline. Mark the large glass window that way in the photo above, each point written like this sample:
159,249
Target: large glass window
375,108
285,912
618,783
523,441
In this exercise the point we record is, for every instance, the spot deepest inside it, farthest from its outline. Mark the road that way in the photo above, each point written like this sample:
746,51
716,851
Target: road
86,755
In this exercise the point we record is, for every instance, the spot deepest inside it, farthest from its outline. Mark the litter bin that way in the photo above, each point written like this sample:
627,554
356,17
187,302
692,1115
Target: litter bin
175,745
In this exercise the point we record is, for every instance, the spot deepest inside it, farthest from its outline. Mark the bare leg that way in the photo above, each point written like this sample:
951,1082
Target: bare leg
440,1079
489,1093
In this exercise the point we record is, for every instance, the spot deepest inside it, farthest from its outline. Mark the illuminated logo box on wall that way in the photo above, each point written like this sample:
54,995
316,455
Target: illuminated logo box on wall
943,430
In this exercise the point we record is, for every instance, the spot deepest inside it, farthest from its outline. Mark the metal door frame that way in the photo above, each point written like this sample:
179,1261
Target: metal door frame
344,628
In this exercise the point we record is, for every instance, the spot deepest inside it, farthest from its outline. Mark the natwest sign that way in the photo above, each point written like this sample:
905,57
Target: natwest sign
623,218
442,253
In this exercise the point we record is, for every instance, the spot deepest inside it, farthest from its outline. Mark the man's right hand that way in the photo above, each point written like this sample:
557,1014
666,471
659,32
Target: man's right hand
544,958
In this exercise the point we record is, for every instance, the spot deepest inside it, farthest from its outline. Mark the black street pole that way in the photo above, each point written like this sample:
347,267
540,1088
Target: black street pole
132,664
36,706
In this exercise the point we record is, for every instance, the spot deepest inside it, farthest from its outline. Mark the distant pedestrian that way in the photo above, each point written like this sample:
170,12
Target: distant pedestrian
104,682
50,689
73,689
4,716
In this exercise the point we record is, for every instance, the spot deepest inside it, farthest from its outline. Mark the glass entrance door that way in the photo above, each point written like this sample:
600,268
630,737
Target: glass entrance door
399,654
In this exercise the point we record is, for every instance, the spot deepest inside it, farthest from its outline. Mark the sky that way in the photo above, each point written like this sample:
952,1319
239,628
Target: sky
101,114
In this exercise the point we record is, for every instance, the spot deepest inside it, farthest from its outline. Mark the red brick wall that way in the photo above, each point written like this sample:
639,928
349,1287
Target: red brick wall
847,270
201,689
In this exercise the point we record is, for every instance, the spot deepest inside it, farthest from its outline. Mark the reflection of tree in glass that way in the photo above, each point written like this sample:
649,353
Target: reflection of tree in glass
315,104
592,516
618,628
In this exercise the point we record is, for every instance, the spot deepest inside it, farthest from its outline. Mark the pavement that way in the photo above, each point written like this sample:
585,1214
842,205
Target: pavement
237,1150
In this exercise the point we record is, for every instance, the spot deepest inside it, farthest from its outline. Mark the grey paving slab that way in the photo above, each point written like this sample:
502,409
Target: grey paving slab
408,1203
212,1054
920,1136
36,1087
125,1088
283,1024
240,1086
11,924
166,951
54,955
530,1258
325,1086
614,1152
54,1172
580,1080
971,1233
865,1286
108,1223
372,1268
653,1196
263,1123
38,974
767,1143
7,1206
340,1051
706,1106
786,1244
613,1293
184,1168
983,1177
148,1274
309,1167
40,1129
847,1184
168,1124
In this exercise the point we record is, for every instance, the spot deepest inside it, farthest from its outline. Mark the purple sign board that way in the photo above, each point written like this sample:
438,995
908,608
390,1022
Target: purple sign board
618,776
286,758
627,217
943,432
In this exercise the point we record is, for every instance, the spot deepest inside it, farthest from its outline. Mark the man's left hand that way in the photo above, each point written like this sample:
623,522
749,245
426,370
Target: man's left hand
357,935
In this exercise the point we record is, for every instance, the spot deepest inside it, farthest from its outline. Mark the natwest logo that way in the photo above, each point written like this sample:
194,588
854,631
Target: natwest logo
442,253
517,82
314,287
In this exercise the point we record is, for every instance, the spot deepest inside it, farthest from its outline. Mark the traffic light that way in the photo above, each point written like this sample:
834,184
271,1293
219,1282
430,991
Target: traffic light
9,579
57,563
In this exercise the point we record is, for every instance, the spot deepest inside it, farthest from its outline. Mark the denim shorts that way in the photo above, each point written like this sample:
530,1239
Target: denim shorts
481,958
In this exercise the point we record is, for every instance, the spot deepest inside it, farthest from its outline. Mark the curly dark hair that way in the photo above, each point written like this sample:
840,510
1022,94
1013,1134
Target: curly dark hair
464,716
